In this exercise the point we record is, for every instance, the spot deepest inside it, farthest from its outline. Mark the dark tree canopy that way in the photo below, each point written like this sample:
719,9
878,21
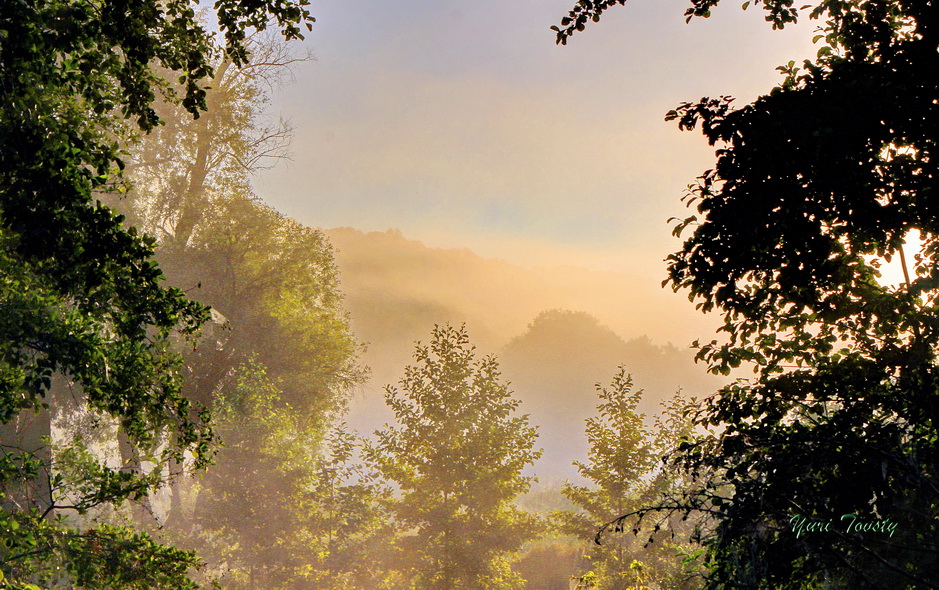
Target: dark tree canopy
815,185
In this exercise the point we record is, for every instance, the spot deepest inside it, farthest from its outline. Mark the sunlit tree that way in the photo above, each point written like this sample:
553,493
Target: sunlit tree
82,303
280,509
456,454
624,472
274,290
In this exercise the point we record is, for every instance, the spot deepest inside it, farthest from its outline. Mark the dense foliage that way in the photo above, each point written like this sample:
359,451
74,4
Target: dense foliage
305,514
85,322
816,183
280,358
272,280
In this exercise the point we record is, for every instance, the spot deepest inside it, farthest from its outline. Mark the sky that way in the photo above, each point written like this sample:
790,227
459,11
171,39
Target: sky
464,125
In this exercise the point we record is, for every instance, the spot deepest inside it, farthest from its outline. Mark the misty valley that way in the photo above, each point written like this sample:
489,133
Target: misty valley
433,333
373,413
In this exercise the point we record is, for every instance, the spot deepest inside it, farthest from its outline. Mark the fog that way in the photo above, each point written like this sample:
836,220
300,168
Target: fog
556,331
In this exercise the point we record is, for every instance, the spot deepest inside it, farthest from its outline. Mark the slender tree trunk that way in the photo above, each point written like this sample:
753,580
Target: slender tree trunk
193,200
178,487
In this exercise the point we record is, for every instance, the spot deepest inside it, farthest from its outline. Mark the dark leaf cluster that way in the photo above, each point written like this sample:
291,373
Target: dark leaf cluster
817,185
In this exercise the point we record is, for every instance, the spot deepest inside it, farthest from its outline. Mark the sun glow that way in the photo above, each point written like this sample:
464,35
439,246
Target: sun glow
892,272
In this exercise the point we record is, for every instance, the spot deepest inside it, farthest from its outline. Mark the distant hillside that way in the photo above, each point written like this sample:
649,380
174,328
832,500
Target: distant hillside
396,290
555,365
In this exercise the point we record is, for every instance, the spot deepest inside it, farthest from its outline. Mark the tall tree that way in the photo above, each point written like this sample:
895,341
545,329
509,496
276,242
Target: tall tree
273,280
82,300
456,456
624,472
276,283
815,184
182,166
274,290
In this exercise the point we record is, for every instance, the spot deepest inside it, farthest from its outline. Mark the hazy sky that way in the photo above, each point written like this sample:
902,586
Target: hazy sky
464,125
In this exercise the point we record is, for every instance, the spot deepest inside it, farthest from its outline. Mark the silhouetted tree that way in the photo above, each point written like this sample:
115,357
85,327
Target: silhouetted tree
815,184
